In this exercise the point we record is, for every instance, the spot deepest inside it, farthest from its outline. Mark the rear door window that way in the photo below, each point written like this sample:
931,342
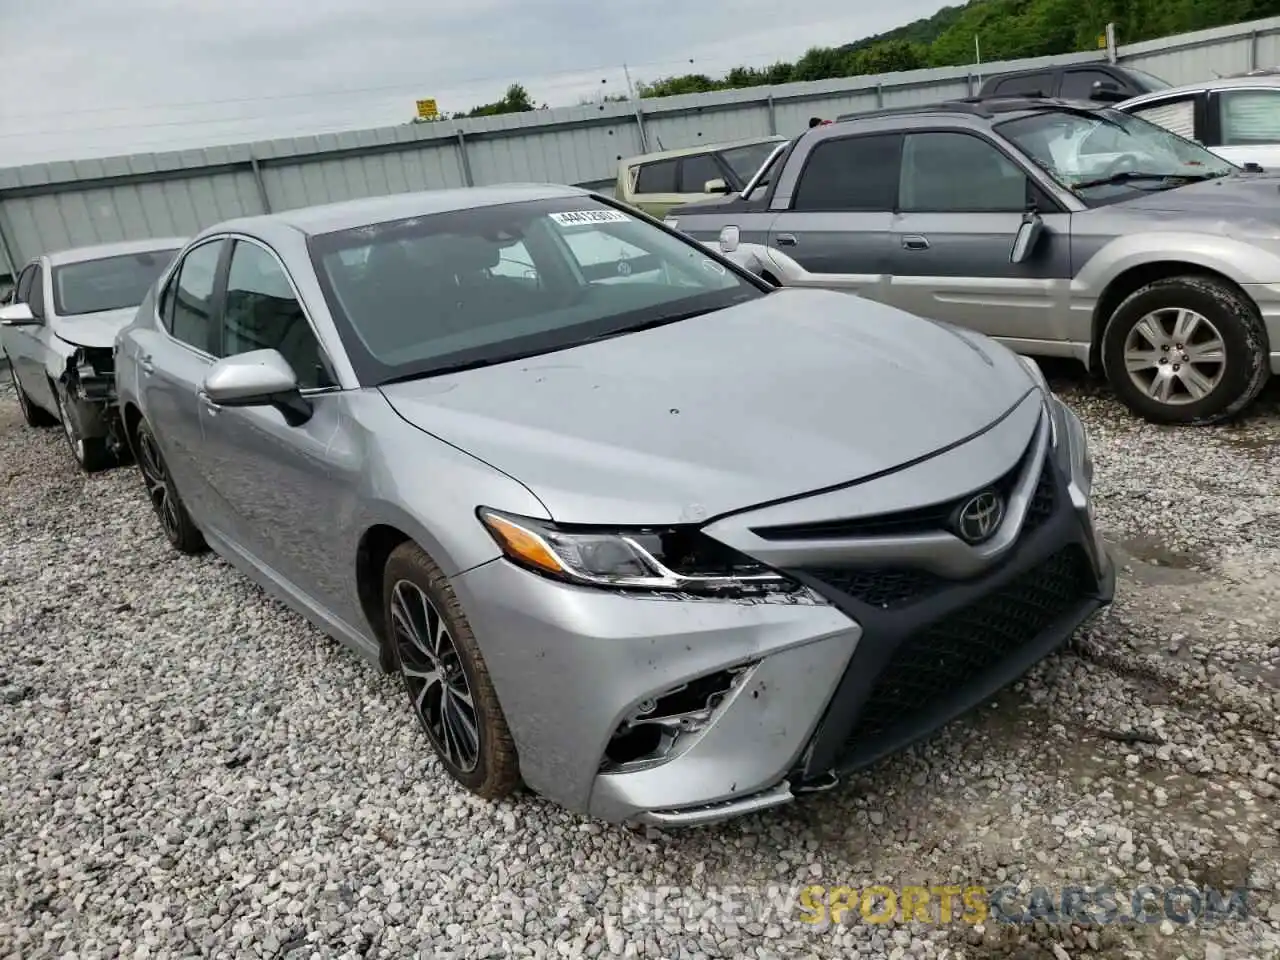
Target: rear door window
1249,117
1027,85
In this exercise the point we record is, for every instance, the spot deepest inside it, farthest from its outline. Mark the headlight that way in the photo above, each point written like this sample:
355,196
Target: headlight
654,559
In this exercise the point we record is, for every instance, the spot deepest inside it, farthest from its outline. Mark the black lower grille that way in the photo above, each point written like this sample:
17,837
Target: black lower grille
955,652
1043,500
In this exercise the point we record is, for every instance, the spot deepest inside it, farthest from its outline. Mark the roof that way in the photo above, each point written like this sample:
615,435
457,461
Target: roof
1259,81
702,148
329,217
123,248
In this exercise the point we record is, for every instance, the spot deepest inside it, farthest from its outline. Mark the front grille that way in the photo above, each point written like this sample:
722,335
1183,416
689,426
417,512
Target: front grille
884,588
1043,500
961,648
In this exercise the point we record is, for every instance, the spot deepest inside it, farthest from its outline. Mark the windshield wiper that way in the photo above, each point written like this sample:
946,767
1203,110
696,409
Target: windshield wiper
1125,176
660,321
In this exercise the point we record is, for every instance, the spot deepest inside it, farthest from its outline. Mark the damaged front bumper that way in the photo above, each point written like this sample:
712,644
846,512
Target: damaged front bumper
681,711
88,388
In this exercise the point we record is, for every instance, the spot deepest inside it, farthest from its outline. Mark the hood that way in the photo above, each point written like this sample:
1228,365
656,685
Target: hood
93,329
1230,199
795,391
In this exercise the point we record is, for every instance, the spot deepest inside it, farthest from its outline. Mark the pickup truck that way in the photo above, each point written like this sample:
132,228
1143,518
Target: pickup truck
1060,228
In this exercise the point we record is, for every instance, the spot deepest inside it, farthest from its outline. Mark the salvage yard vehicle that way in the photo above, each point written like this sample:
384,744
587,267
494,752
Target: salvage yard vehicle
1059,228
1238,118
625,529
656,182
59,336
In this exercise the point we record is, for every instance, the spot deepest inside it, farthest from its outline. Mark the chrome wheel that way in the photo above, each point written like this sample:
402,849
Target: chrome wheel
159,487
434,676
1175,356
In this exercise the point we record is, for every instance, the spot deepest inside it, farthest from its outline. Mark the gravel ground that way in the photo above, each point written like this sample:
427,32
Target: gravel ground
189,769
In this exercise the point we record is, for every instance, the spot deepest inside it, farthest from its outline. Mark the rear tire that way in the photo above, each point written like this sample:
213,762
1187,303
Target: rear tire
445,675
32,415
179,529
1186,350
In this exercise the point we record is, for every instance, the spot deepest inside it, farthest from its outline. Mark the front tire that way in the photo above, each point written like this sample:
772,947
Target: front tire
1186,350
179,529
445,675
91,453
32,415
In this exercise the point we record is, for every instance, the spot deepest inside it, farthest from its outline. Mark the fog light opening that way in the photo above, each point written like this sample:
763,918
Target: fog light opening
650,732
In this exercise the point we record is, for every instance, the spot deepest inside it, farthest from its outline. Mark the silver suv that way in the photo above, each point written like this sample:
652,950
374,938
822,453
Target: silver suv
1059,228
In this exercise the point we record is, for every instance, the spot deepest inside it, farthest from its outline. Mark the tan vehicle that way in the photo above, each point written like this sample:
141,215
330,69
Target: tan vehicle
656,182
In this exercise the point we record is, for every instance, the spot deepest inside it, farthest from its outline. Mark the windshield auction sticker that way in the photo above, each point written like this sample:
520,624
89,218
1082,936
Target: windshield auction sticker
577,218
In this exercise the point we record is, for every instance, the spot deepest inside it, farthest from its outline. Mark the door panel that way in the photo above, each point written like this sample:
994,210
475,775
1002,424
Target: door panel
961,202
842,251
277,488
963,274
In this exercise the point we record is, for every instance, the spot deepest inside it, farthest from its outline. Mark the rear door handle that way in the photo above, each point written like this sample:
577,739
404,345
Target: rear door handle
785,239
915,242
145,363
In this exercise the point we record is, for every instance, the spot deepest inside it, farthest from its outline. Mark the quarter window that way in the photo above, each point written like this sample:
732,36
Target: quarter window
851,174
1078,84
191,316
659,177
959,173
261,312
1249,117
1027,85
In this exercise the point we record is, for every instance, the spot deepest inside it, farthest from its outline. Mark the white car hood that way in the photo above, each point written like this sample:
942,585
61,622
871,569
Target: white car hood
93,329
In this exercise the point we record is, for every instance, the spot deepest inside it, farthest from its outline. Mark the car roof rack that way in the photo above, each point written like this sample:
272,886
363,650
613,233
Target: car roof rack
985,107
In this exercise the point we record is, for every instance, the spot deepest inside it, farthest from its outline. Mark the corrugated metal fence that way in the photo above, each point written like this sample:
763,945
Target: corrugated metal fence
57,205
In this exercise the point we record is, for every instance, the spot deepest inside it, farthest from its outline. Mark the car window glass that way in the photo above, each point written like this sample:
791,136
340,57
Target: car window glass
1078,84
695,171
1032,84
954,172
854,173
192,317
1178,116
23,292
1250,116
108,283
261,312
35,296
451,288
745,161
657,177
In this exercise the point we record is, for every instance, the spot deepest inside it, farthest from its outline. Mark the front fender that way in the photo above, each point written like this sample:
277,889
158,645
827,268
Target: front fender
1238,260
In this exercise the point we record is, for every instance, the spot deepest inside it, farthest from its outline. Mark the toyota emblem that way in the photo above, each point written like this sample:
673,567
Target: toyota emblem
980,517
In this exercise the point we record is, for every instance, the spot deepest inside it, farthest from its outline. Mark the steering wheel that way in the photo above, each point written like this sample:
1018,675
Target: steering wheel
1125,163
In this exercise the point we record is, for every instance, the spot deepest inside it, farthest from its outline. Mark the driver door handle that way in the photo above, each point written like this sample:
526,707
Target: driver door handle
915,242
210,407
145,363
785,239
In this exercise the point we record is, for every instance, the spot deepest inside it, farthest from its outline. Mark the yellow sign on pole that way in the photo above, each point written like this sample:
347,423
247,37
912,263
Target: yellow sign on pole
427,110
1102,41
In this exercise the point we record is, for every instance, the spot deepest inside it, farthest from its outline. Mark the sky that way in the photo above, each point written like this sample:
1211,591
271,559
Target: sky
94,78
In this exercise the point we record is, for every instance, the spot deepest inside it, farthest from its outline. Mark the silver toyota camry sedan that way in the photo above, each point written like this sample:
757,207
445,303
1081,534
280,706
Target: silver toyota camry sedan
653,538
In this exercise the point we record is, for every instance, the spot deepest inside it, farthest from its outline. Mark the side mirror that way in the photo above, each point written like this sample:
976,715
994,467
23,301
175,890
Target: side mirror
715,186
1024,243
729,239
1107,90
1251,167
18,315
259,378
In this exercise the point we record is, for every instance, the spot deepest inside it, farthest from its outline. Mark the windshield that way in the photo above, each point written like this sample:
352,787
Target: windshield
745,161
1078,148
112,283
472,287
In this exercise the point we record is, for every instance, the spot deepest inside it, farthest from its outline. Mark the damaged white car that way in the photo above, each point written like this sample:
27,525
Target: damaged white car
59,336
